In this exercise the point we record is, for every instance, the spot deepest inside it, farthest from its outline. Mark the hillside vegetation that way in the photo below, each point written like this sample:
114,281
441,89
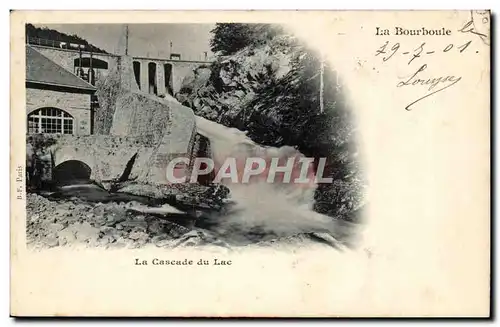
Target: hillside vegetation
53,35
266,82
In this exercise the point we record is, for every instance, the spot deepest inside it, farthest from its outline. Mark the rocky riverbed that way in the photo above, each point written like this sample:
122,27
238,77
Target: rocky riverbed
75,222
67,222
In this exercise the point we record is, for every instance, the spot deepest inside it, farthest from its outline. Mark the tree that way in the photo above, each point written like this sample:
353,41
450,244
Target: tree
50,34
229,38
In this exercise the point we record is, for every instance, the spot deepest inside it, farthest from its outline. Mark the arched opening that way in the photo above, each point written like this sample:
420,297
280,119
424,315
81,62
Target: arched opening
168,78
71,172
137,73
94,63
50,120
153,88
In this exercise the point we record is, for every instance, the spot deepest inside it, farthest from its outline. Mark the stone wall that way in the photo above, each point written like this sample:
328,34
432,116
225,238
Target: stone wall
66,57
106,155
75,104
125,111
182,70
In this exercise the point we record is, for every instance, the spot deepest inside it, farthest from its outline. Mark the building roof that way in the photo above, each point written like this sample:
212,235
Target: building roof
42,70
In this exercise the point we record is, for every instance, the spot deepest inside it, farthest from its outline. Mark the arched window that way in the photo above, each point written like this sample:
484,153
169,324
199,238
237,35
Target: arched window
153,88
137,73
168,78
50,121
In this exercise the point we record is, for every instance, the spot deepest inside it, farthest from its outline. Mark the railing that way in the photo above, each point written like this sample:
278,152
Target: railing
76,46
54,43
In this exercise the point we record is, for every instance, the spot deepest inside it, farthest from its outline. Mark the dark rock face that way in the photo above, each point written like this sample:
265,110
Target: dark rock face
271,89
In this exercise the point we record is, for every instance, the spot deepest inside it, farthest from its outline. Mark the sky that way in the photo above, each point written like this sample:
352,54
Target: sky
145,40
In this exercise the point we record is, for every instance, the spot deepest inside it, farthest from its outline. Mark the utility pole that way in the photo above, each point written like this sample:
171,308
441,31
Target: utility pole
126,39
321,86
91,69
80,69
93,97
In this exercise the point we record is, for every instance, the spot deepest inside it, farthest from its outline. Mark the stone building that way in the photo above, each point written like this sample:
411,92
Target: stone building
57,101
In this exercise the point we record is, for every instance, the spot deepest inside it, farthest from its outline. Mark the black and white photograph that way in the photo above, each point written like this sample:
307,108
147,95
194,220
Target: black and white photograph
250,164
250,122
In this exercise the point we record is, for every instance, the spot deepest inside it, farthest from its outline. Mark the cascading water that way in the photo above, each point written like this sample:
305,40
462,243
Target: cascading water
262,210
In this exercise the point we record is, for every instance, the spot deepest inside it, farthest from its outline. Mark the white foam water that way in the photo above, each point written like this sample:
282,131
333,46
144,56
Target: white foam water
277,209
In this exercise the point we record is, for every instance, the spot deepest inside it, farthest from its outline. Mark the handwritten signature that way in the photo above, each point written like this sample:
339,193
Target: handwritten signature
433,83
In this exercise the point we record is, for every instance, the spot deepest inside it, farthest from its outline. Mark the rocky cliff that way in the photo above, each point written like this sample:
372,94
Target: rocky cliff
271,88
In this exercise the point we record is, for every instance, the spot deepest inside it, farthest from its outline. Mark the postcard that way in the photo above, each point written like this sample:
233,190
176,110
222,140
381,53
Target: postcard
250,163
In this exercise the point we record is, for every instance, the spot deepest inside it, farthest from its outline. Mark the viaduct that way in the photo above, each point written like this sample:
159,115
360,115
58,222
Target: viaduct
157,76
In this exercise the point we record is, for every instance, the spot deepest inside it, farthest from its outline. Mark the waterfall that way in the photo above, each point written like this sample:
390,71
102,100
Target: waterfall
262,209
